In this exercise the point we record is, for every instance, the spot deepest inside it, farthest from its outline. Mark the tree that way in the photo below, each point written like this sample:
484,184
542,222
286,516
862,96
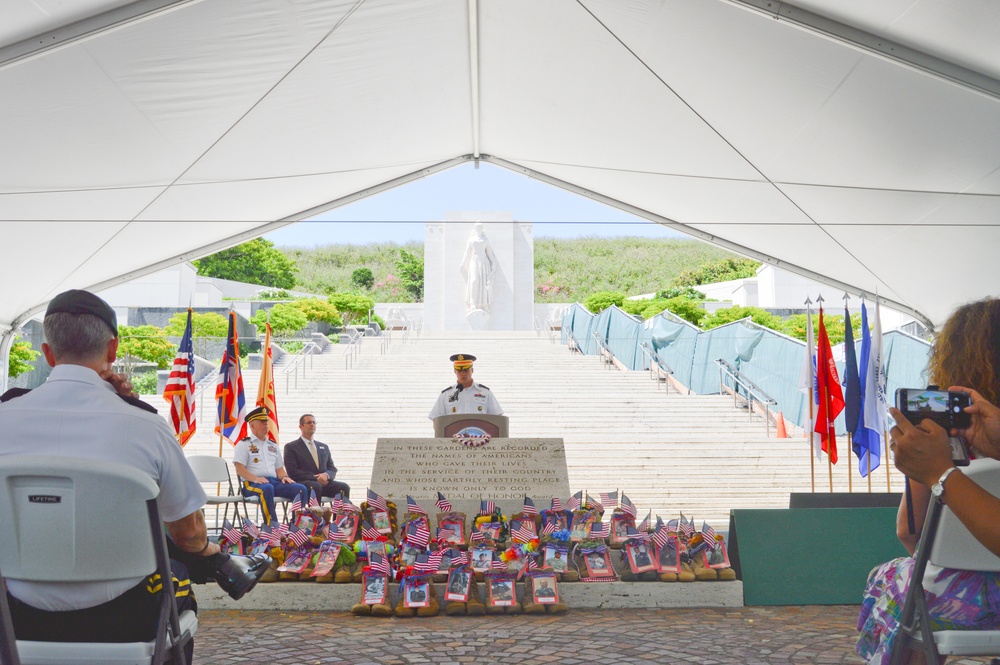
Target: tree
204,326
600,301
686,308
411,273
363,278
795,326
352,307
147,343
316,309
21,358
254,262
760,316
286,320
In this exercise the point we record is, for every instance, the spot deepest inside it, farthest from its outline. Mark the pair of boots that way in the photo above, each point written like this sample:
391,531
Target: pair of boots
472,607
430,610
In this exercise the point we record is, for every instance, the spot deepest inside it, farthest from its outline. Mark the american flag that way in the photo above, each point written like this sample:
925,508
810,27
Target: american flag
529,506
443,504
609,498
413,507
478,536
379,563
550,527
459,558
296,504
600,530
673,525
250,529
631,533
298,536
231,408
282,529
687,526
486,507
417,534
445,533
522,533
627,506
661,536
179,390
708,533
498,564
532,562
338,503
644,524
557,504
313,501
594,503
345,504
337,534
231,533
368,532
377,502
575,501
422,563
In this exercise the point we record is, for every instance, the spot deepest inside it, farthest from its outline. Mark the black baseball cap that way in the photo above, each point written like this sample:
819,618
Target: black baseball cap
83,302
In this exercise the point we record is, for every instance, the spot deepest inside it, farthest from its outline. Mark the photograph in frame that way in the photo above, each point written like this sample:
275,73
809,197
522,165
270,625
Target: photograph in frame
502,592
524,522
459,582
667,559
719,557
417,595
408,555
619,531
598,564
326,560
349,526
381,522
581,527
559,519
555,559
376,589
307,523
457,527
545,590
482,560
640,557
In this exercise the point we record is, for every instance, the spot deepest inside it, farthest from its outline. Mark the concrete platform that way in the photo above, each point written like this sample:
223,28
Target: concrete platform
313,597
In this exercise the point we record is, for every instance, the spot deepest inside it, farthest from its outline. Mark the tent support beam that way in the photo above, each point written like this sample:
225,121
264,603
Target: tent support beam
707,237
874,45
85,28
474,72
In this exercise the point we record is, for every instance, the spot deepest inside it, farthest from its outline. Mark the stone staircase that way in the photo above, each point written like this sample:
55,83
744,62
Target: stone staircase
669,452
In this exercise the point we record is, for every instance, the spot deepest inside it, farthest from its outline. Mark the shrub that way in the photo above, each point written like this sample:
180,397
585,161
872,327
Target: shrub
759,316
795,326
352,307
286,319
688,292
21,358
145,383
600,301
317,309
379,320
147,343
718,271
363,278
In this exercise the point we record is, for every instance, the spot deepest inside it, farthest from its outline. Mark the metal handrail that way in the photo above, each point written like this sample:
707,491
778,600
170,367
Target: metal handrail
353,349
753,392
654,359
572,343
299,361
605,354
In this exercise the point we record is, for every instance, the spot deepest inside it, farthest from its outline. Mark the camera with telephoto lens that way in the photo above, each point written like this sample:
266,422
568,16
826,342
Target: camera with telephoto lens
944,407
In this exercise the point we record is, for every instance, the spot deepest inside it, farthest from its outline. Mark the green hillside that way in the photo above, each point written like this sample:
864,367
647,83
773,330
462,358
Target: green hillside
566,270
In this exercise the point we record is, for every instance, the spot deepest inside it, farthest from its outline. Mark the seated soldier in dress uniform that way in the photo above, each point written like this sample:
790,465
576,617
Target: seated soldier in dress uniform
465,396
259,464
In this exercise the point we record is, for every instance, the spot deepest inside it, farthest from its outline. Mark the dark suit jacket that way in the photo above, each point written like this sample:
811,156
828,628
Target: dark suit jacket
299,462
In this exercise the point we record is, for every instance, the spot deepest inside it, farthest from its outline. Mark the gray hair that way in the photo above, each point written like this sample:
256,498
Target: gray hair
76,337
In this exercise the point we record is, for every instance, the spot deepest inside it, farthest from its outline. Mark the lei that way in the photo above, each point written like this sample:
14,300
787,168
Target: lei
472,441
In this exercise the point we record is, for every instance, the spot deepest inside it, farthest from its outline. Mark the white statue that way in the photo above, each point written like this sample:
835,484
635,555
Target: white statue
479,268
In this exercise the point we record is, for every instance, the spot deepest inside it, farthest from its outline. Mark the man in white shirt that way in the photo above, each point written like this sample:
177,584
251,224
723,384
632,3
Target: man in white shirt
465,396
260,465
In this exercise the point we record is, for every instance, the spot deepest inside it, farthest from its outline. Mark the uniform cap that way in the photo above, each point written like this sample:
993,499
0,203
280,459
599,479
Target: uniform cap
260,413
462,360
76,301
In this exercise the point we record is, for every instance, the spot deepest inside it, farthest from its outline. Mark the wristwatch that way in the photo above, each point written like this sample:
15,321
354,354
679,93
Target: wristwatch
937,489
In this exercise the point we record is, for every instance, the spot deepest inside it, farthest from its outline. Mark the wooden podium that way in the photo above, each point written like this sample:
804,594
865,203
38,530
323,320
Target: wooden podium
448,426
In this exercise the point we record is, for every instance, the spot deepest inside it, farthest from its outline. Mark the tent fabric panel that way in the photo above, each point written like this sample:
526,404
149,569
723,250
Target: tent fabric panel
389,86
591,87
27,18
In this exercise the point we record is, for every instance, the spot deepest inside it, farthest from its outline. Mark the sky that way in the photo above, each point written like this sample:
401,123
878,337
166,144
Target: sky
399,214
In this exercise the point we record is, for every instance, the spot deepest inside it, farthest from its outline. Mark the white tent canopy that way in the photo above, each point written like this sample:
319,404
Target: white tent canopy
855,142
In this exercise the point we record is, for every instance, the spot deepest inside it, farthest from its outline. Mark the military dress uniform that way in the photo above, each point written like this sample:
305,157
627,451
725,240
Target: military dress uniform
262,458
475,399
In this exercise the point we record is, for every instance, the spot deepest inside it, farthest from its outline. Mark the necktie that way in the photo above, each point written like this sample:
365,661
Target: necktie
312,451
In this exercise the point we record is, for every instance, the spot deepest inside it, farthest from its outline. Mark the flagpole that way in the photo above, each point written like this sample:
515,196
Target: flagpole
868,451
809,424
850,453
888,477
829,445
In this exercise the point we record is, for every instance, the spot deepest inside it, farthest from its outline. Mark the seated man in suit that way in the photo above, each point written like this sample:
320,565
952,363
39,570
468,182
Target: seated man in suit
308,462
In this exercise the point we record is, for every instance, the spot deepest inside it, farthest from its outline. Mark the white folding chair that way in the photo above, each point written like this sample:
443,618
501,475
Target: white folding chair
8,644
945,542
212,469
78,520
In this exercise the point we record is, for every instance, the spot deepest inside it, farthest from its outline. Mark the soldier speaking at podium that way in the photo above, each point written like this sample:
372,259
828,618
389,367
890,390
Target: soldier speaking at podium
465,396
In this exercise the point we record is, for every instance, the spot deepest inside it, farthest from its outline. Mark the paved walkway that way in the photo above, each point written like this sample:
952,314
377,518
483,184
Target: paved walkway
811,634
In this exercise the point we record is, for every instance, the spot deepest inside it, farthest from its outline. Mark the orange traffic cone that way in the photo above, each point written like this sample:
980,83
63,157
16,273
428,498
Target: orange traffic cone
782,433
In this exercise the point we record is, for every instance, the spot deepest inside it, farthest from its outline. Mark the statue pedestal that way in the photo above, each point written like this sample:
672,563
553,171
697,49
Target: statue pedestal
479,319
504,470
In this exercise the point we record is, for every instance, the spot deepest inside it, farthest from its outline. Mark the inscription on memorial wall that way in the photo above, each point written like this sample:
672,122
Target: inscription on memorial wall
504,470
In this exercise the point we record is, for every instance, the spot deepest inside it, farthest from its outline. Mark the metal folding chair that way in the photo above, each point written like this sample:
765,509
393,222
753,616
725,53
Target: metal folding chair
210,469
